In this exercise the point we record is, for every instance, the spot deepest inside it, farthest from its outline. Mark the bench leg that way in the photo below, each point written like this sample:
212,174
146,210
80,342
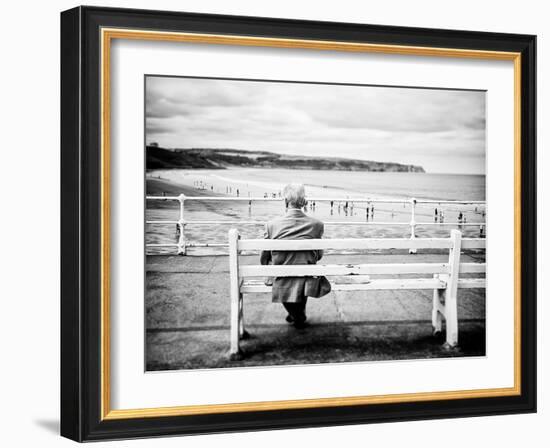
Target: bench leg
437,318
451,319
451,307
235,295
235,324
243,334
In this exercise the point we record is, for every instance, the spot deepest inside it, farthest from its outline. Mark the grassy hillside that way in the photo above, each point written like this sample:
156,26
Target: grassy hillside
160,158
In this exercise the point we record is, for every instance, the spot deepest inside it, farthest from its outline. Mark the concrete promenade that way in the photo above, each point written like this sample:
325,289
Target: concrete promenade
187,318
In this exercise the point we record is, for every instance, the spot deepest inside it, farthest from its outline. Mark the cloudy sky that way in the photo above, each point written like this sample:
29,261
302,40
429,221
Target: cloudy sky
441,130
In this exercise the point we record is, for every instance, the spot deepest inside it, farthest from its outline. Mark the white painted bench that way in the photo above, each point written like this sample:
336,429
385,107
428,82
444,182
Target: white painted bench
442,278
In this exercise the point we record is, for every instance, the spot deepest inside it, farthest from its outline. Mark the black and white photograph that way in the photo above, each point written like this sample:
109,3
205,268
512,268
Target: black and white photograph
292,223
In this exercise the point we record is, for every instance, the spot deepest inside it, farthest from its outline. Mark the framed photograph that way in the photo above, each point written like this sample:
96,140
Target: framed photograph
273,223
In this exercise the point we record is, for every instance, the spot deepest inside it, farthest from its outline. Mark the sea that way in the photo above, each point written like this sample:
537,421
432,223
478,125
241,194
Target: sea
346,209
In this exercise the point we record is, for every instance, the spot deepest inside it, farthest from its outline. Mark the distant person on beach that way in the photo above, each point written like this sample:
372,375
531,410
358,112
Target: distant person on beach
294,225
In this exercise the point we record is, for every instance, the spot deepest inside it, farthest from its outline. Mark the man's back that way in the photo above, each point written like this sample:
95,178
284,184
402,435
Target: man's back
295,225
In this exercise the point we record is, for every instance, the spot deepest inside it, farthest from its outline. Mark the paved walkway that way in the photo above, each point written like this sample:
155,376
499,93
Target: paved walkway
187,317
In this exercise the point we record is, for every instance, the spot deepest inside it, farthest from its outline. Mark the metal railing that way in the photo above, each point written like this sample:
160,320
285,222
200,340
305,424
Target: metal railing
182,244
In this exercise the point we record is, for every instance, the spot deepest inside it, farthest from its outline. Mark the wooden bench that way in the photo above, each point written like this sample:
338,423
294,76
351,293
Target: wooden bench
442,278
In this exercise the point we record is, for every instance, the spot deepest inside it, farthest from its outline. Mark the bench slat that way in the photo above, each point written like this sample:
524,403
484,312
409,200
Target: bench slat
379,284
472,283
335,243
471,268
473,243
334,269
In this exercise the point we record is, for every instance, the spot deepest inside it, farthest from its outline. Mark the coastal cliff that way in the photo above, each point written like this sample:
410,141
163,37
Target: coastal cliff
160,158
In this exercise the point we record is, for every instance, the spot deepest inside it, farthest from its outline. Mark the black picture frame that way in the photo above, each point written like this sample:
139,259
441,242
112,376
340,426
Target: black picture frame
81,209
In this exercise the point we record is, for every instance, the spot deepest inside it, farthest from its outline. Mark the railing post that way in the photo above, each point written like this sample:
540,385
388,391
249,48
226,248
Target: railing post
234,292
182,248
413,224
451,306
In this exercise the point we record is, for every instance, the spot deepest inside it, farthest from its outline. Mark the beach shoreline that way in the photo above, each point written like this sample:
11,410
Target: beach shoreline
160,186
207,222
349,185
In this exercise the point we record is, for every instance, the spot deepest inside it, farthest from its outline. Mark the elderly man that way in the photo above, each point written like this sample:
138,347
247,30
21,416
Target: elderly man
295,225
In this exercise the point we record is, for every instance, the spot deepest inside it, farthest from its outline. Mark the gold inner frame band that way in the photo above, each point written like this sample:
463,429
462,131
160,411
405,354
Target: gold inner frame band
107,35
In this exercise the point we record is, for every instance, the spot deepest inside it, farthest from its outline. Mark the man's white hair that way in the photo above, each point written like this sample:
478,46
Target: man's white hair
295,195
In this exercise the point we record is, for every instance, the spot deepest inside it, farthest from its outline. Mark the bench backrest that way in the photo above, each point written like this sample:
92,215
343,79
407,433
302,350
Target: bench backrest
455,243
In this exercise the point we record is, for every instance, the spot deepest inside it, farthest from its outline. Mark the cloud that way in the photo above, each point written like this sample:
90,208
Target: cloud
169,97
399,110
